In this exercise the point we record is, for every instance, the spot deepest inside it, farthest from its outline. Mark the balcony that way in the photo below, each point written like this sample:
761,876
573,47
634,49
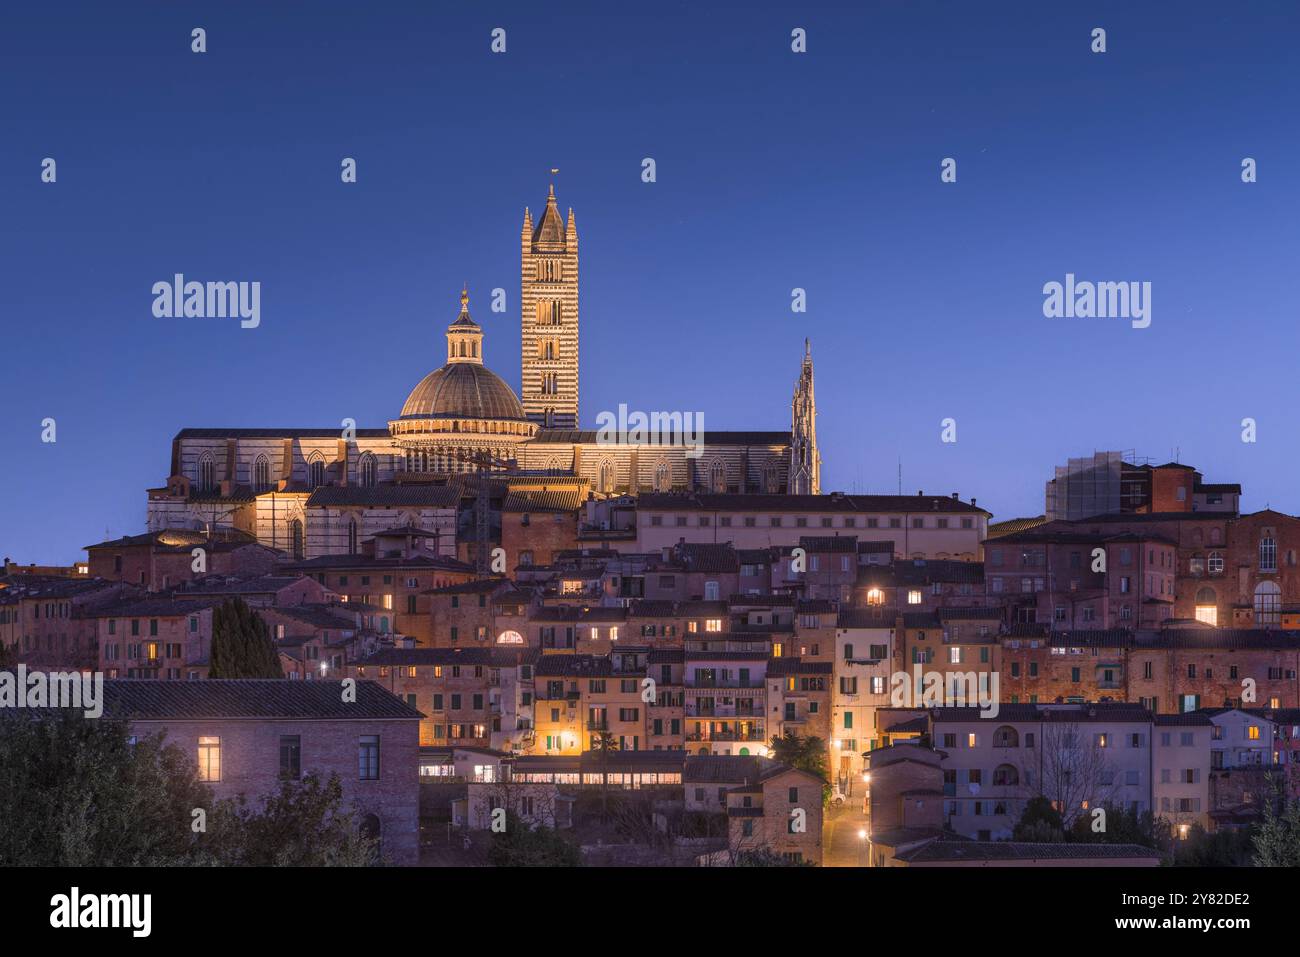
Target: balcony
755,735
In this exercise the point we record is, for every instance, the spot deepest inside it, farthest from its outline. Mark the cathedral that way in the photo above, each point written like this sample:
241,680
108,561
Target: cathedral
313,492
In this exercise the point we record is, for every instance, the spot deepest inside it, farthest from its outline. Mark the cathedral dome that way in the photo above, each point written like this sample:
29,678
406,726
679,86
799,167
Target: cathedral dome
462,390
463,415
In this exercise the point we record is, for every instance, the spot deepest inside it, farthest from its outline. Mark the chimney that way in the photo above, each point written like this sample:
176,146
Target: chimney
954,496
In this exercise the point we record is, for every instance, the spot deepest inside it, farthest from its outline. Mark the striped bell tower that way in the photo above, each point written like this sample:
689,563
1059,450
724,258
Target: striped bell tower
549,323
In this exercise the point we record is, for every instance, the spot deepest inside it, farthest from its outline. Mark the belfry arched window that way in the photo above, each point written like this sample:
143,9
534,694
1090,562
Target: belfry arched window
352,536
295,538
607,476
316,472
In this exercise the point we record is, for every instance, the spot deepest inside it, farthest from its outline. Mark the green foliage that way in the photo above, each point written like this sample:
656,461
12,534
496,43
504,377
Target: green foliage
766,858
1277,840
241,644
1039,823
806,754
301,825
522,846
1227,848
75,792
1123,826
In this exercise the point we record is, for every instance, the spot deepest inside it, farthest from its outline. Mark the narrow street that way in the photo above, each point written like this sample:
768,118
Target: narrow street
841,845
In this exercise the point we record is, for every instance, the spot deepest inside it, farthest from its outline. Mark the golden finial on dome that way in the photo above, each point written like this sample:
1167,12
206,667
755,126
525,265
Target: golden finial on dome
464,297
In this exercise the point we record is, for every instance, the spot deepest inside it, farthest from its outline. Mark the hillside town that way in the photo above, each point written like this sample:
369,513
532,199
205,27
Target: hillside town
657,644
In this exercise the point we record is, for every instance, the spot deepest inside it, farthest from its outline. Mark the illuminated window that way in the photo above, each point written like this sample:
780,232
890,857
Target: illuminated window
209,759
1252,732
970,740
713,624
913,596
875,596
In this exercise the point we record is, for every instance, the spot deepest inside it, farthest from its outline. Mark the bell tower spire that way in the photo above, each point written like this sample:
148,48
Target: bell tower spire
805,460
549,321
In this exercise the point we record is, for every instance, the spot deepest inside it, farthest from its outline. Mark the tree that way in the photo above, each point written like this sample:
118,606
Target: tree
763,857
1040,823
302,825
241,644
1277,840
522,846
1076,771
603,742
1123,826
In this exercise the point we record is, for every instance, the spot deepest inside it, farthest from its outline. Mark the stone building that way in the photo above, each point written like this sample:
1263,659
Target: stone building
248,736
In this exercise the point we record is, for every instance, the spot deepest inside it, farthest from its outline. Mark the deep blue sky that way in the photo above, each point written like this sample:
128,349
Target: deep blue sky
775,170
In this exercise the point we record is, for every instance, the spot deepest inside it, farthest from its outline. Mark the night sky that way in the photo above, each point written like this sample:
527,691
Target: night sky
775,170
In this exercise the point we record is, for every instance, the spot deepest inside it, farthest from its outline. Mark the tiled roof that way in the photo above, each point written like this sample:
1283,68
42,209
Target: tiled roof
363,562
1091,638
797,666
835,502
1189,719
829,543
958,851
720,769
181,540
921,571
706,557
428,496
970,613
145,700
153,608
577,613
400,657
1013,526
276,433
879,617
217,585
1104,711
543,500
1238,638
574,666
815,606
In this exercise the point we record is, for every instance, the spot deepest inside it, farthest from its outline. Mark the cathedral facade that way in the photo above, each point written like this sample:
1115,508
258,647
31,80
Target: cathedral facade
314,492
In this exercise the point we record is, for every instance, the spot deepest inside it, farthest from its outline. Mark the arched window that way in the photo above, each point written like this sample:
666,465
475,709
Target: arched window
261,474
1268,603
352,536
316,472
717,477
771,478
295,538
207,474
1005,775
607,476
366,470
663,478
1207,606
